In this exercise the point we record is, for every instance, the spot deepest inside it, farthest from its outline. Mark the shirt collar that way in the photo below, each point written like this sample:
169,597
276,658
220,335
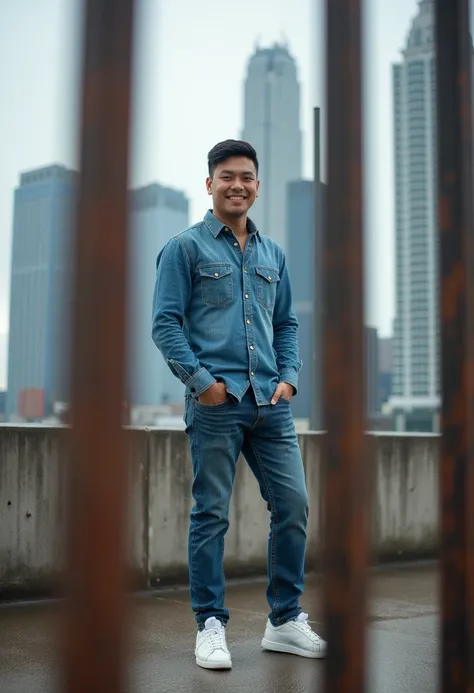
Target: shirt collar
216,227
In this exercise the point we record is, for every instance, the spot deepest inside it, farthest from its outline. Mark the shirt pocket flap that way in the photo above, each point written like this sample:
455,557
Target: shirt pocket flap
215,271
268,273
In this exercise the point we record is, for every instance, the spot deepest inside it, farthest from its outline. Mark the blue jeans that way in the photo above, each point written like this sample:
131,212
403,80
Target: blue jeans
267,438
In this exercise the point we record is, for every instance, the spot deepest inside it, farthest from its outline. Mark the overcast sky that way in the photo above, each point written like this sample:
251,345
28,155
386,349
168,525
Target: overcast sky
191,63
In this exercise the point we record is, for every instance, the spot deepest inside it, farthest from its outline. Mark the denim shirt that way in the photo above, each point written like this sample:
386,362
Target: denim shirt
223,315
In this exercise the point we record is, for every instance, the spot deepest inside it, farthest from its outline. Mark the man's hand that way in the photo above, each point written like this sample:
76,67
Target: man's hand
284,390
216,394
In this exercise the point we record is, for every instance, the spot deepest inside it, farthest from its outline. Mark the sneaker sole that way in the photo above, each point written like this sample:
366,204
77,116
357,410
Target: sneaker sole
271,646
213,665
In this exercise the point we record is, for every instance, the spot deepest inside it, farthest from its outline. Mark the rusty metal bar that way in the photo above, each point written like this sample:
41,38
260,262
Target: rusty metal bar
316,370
346,497
455,182
96,622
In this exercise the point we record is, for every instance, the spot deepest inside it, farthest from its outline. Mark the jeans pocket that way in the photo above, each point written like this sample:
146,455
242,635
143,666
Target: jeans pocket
213,406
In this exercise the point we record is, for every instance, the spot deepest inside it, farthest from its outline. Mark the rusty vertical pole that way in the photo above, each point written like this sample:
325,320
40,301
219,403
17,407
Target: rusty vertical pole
346,498
316,370
96,613
455,189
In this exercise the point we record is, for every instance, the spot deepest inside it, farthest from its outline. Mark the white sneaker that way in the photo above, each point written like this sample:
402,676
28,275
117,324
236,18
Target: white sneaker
211,648
294,637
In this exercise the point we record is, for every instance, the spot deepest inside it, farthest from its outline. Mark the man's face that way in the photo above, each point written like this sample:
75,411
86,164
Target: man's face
234,186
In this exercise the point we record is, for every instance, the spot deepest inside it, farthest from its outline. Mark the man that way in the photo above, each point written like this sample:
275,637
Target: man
223,320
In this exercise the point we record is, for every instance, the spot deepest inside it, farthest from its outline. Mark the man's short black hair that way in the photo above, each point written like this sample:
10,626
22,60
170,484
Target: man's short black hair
224,150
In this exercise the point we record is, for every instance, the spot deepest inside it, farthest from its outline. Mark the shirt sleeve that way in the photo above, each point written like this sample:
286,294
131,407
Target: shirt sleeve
285,331
171,299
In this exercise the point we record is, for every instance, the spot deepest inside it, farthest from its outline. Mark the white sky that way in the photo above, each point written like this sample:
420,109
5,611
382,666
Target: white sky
190,69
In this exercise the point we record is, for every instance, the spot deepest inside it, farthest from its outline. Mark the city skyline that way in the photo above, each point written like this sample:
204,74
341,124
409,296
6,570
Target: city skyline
38,367
44,79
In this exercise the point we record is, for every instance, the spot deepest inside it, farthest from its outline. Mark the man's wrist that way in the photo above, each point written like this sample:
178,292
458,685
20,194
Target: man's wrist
201,381
290,377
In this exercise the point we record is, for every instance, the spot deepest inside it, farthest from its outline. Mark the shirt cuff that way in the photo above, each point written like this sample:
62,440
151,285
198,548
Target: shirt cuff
290,376
199,382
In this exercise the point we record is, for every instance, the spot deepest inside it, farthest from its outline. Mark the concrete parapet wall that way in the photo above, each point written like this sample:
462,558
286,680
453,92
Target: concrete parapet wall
33,506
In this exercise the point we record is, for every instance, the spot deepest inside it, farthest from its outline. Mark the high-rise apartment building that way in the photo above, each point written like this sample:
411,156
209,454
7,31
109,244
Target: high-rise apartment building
157,214
272,126
43,208
416,384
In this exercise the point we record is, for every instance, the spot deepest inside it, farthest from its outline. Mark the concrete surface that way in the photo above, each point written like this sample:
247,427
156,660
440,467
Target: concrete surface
402,640
33,510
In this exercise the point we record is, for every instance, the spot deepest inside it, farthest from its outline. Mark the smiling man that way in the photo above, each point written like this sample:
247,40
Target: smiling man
223,320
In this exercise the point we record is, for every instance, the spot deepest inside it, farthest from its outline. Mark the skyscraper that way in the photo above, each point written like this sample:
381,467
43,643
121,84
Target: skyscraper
301,267
157,214
40,287
38,345
416,386
272,126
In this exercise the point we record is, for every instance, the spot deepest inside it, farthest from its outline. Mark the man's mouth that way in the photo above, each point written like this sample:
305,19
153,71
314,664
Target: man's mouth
236,197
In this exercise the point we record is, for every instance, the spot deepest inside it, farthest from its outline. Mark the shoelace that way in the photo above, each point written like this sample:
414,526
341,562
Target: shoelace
304,627
216,638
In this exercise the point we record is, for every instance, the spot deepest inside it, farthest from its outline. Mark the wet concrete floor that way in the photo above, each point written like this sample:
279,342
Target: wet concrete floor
402,637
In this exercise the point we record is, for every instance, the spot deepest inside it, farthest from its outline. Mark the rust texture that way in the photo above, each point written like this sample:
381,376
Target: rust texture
455,189
347,462
96,614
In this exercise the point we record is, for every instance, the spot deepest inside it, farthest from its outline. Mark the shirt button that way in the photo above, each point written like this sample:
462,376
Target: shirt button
246,295
252,348
216,274
252,373
236,245
248,322
245,270
269,279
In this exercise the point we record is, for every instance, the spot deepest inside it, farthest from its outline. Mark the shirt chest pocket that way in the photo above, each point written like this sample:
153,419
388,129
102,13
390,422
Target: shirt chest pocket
267,279
216,284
